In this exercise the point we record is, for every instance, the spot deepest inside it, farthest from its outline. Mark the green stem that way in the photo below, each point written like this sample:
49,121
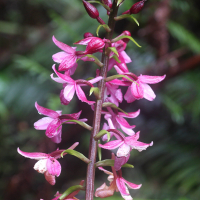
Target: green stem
97,112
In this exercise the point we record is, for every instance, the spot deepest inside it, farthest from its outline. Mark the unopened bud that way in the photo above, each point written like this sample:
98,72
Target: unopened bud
88,34
108,3
126,40
136,8
92,11
95,45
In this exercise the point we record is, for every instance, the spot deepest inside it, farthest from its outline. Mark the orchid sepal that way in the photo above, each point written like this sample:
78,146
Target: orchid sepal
77,154
112,105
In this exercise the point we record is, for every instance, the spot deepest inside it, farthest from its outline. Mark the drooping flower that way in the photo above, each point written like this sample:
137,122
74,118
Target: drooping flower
53,122
71,86
126,144
71,196
47,163
117,183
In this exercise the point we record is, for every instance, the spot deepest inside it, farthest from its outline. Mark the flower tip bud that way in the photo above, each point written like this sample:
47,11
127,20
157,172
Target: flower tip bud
137,7
91,10
88,34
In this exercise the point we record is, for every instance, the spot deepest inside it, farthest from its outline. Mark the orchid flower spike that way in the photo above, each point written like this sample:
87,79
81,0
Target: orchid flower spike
53,122
47,163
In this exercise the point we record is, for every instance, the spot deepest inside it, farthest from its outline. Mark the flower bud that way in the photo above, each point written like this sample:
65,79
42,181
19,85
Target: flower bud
126,40
108,3
92,11
95,45
88,34
136,8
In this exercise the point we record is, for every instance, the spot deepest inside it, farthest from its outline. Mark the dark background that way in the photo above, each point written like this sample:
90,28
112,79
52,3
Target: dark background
169,34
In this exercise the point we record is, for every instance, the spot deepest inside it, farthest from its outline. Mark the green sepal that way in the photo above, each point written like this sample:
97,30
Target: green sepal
105,6
112,105
96,60
96,92
126,16
70,190
83,124
110,78
114,50
105,26
99,150
116,58
125,36
77,154
110,162
102,133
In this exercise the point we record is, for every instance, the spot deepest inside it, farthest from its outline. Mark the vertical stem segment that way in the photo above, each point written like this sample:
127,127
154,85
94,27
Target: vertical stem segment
97,112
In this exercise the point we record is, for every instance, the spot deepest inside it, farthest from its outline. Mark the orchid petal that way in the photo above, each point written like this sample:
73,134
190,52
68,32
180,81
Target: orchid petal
46,111
33,155
122,187
43,123
148,92
105,171
104,191
41,166
130,114
126,58
128,131
57,138
151,79
59,57
137,91
68,92
128,96
84,41
62,98
95,80
132,185
50,179
123,150
54,128
111,145
81,95
63,76
119,161
57,79
124,123
53,167
63,46
68,62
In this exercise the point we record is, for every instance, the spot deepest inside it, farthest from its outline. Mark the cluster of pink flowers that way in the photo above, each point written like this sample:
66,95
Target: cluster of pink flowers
116,124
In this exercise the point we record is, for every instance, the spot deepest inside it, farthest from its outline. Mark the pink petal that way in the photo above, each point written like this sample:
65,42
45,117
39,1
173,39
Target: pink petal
53,167
123,150
59,57
63,76
128,96
140,146
132,185
69,91
105,171
43,123
124,123
84,41
121,186
63,46
104,191
130,114
68,62
95,80
81,95
151,79
54,128
35,155
57,138
57,79
126,58
148,92
137,90
119,82
46,111
62,98
128,131
111,145
119,161
50,179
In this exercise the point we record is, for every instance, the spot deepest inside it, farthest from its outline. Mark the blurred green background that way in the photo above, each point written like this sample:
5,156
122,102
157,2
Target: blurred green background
169,34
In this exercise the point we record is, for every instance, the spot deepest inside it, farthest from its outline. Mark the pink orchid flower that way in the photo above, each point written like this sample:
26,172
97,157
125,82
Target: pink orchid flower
139,88
53,122
47,163
118,120
117,183
125,144
113,94
71,86
70,196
